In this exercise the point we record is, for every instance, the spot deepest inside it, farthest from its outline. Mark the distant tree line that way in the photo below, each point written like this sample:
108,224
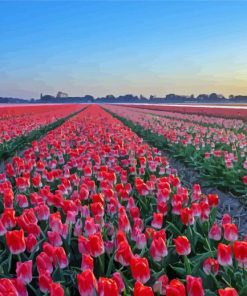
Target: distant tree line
129,98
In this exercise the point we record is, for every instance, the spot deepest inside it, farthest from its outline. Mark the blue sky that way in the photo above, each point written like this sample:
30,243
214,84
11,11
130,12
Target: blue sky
119,47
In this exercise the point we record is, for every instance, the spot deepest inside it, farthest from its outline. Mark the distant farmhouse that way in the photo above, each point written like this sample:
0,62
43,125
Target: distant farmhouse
61,94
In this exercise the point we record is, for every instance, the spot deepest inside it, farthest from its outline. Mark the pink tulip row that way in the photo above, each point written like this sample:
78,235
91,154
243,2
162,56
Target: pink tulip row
196,118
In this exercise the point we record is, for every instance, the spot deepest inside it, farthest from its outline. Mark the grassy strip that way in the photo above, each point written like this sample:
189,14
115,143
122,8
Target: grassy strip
211,175
11,147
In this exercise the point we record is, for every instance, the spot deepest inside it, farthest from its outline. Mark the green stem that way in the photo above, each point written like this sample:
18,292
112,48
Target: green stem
187,265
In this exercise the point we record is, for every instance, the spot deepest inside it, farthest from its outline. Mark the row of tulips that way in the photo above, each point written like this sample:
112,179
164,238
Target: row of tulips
90,209
20,120
34,126
219,153
223,111
214,121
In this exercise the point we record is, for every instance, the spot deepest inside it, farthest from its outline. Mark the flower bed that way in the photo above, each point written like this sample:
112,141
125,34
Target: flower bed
91,209
219,154
19,120
21,125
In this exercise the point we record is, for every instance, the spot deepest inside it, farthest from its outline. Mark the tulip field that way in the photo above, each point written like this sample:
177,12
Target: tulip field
90,205
216,147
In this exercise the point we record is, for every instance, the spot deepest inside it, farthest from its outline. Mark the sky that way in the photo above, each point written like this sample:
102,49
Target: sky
122,47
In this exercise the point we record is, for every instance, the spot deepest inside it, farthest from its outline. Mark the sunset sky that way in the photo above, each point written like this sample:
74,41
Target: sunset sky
119,47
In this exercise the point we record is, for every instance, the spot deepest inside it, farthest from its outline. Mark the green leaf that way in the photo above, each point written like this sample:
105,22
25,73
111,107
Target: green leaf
179,270
209,293
243,291
171,227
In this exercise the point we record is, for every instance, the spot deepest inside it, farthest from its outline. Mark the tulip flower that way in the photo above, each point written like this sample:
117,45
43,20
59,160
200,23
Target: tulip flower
160,285
194,286
96,245
87,262
211,265
141,290
182,245
157,220
118,279
213,200
87,283
240,252
175,288
45,281
226,218
56,289
158,249
7,287
123,253
44,262
107,287
60,257
215,232
24,271
230,232
140,269
224,254
227,292
187,216
15,241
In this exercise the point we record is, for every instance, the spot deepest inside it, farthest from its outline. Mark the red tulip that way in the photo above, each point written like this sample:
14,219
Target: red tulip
228,292
141,241
96,245
44,262
123,222
240,252
158,249
87,262
24,271
224,254
123,253
87,283
215,232
141,290
90,227
61,257
31,242
7,288
20,287
194,286
56,290
83,244
45,281
15,241
230,232
118,279
226,219
157,221
182,245
140,269
187,216
8,218
160,285
107,287
54,238
175,288
213,200
210,265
